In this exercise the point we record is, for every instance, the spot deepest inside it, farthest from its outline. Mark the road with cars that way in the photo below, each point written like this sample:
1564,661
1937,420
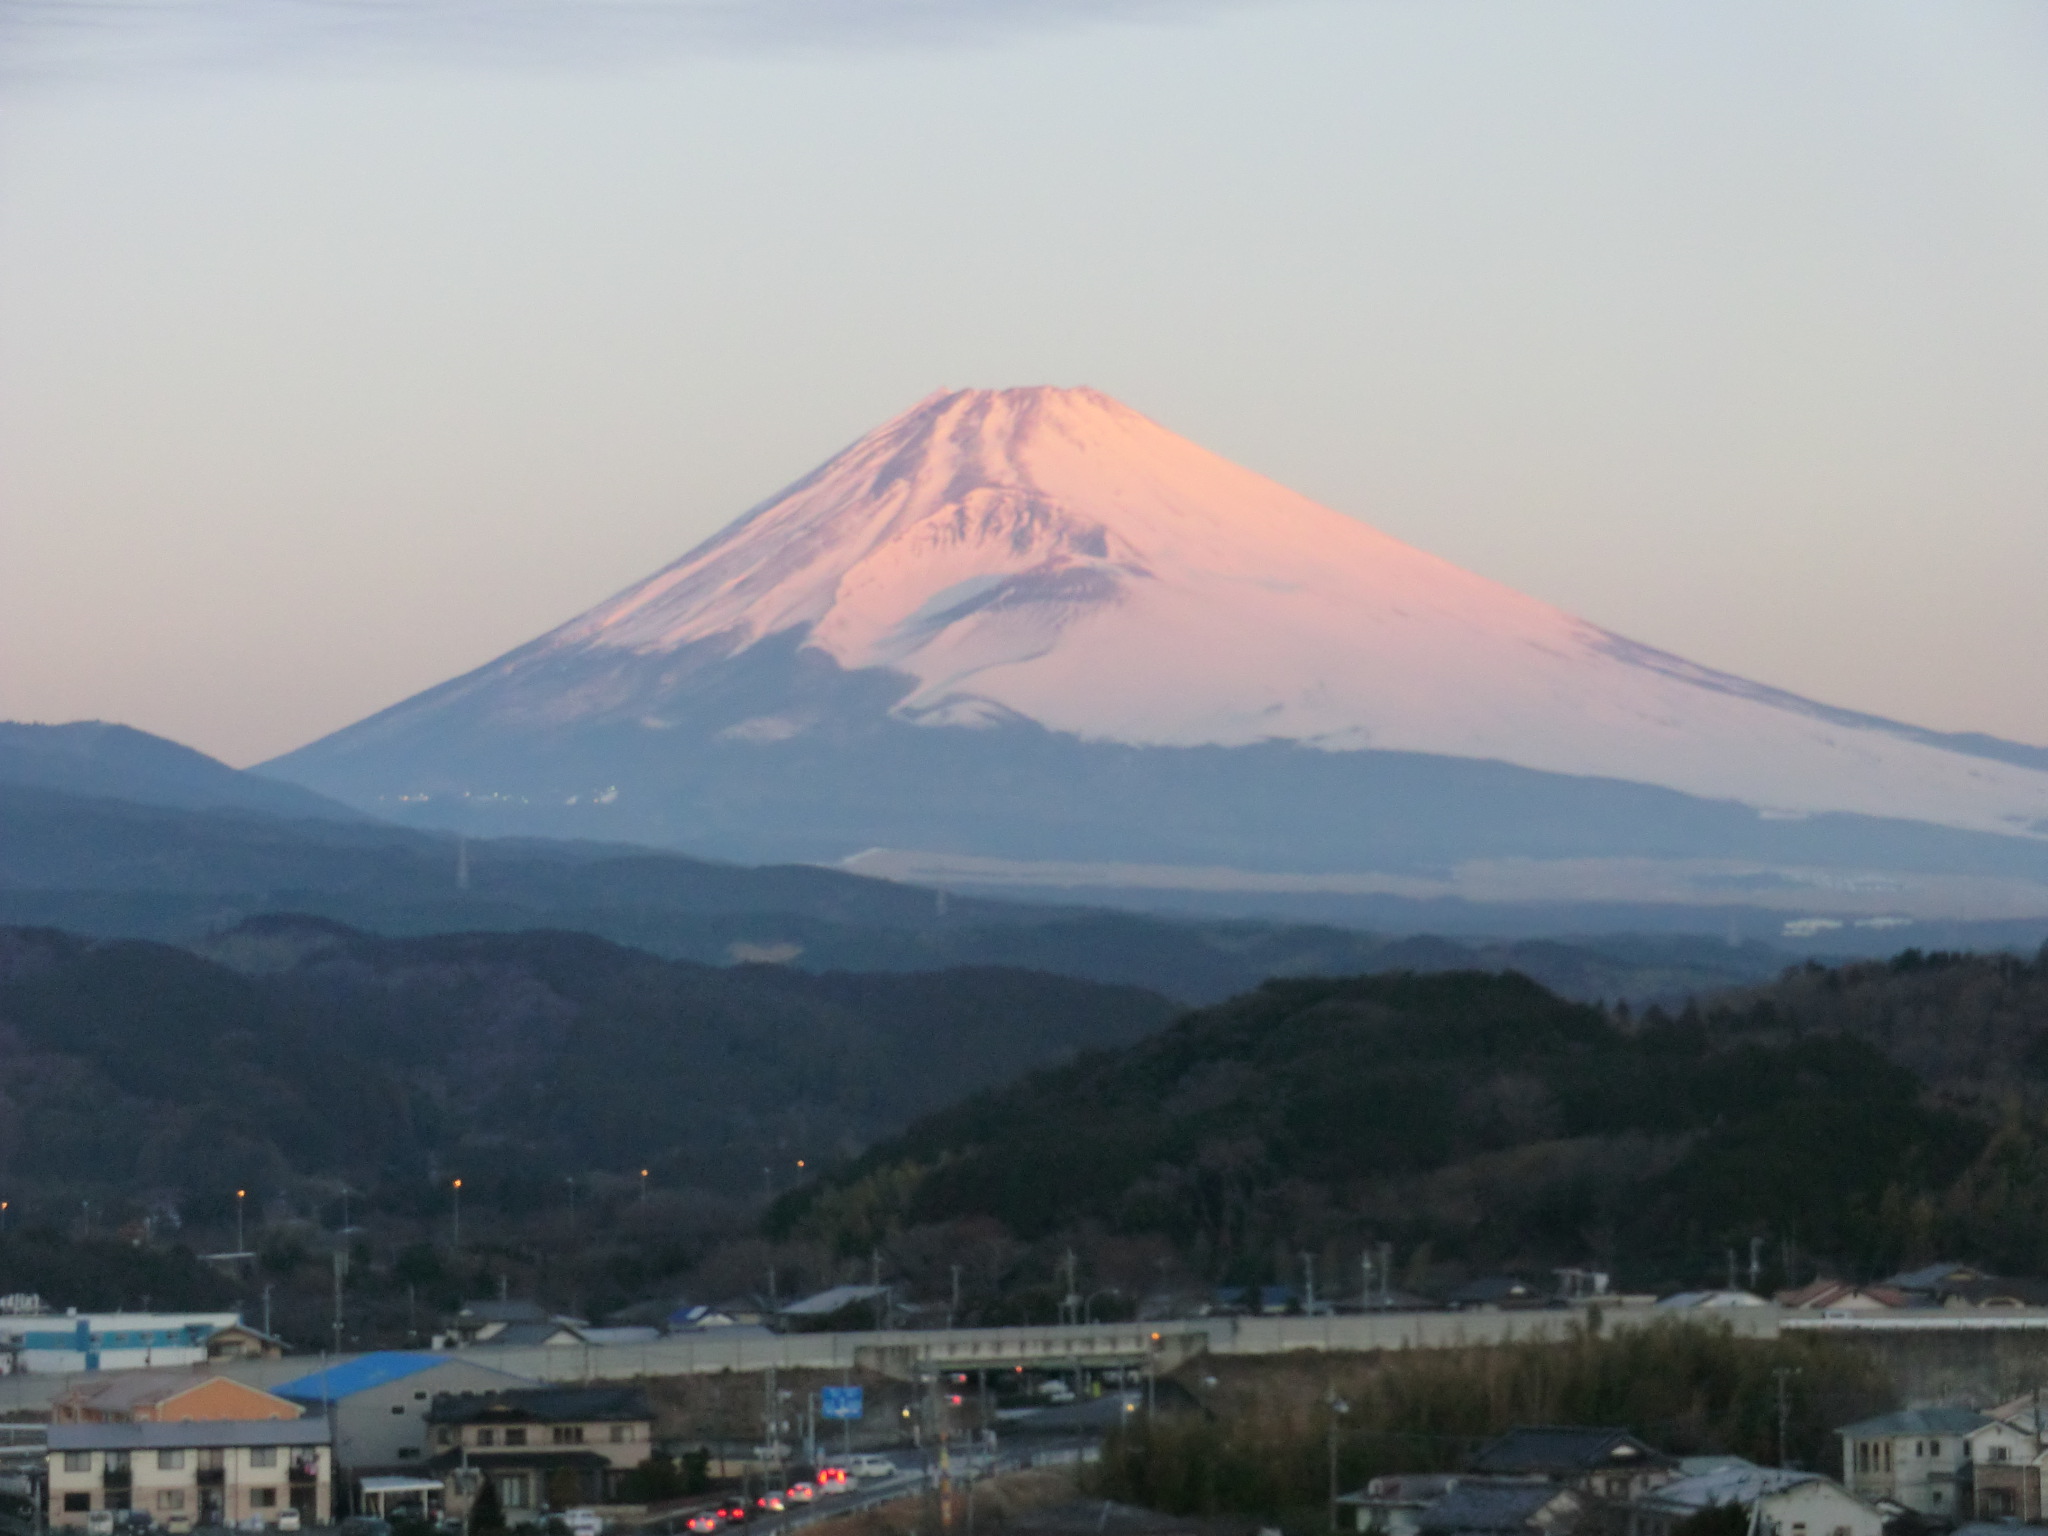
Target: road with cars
910,1478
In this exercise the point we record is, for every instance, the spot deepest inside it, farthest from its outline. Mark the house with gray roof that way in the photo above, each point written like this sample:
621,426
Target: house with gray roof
1601,1463
1778,1501
1487,1506
1917,1459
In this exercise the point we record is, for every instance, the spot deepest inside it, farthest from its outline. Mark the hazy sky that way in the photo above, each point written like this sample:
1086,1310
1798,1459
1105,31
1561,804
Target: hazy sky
347,343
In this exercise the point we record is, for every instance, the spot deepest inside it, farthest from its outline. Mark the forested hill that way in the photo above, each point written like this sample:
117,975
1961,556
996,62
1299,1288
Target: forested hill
300,1050
1479,1122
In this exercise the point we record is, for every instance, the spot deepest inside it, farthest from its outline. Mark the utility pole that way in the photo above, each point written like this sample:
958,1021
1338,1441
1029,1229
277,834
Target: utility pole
266,1309
1338,1408
340,1269
954,1311
1365,1281
1308,1270
1731,1269
1756,1262
1784,1375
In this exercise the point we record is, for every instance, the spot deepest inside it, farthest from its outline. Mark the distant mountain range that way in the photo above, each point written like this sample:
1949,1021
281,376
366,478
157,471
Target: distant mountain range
291,1048
117,762
1028,639
125,868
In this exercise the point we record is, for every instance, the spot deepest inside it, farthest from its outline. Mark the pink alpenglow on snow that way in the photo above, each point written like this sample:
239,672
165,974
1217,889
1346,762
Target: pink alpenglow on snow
1052,554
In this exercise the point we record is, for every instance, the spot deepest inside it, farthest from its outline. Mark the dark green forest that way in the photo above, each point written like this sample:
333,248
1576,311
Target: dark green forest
1851,1119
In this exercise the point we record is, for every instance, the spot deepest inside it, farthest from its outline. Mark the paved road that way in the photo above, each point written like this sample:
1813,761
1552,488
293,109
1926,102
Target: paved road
912,1478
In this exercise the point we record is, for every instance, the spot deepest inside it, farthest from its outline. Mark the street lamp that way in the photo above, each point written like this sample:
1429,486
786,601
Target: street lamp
643,1183
456,1187
240,1196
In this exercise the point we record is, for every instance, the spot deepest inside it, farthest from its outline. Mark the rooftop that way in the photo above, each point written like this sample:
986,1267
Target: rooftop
1917,1421
187,1433
1564,1448
1742,1483
1479,1505
837,1299
358,1375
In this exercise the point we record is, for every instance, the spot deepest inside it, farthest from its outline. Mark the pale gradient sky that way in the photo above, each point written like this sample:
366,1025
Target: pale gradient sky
344,345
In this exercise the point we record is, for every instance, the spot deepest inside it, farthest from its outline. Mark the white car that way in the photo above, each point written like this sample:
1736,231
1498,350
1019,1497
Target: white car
584,1522
870,1468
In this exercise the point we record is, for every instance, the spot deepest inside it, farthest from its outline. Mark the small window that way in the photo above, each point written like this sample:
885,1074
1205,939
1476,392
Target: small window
262,1455
1934,1447
487,1437
77,1461
398,1407
515,1437
568,1434
621,1433
170,1498
263,1498
407,1452
419,1397
170,1461
77,1503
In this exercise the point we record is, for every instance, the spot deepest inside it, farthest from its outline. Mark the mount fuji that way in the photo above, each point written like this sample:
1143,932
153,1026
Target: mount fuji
1030,637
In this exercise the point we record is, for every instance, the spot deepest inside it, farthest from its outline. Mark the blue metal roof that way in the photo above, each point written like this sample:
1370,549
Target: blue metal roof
358,1375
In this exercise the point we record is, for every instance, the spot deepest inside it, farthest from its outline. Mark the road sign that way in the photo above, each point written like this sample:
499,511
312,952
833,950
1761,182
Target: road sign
840,1402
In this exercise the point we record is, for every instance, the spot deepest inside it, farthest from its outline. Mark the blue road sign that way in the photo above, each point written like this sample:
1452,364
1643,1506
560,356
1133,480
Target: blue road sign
840,1402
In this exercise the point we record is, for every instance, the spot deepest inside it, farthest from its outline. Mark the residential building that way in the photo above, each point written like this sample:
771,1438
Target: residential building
2005,1460
1918,1459
1779,1503
1709,1301
1933,1280
1486,1506
1841,1296
378,1404
191,1471
1499,1293
1609,1464
1391,1505
165,1397
513,1322
185,1449
544,1447
107,1341
840,1298
238,1341
551,1333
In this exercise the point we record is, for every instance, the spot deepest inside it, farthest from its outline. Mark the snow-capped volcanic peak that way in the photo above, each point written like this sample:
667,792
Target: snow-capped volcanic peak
1052,554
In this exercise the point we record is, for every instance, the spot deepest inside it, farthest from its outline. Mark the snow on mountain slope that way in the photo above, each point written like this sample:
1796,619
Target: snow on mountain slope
1052,554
